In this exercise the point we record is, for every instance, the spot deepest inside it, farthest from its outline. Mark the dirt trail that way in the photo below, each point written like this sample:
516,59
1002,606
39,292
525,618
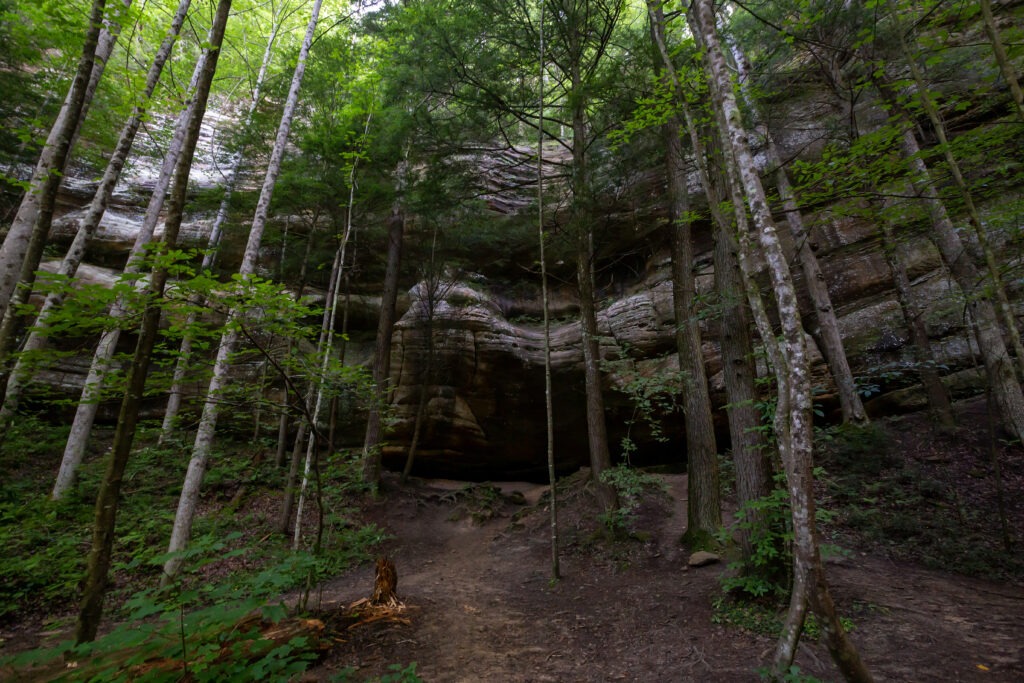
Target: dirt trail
483,608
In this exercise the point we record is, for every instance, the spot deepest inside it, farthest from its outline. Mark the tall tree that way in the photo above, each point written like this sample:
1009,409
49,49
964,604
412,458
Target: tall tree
182,530
108,498
88,224
793,426
583,30
85,413
23,246
750,452
174,396
825,329
381,369
704,513
549,417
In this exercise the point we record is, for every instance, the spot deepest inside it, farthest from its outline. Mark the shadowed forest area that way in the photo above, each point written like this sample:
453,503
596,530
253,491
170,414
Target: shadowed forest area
566,340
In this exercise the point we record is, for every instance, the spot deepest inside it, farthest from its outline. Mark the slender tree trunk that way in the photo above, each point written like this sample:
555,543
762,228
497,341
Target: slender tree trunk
421,405
182,529
176,392
825,329
750,454
582,219
1005,67
793,416
549,420
1002,302
1006,389
85,414
927,368
87,228
110,490
292,482
430,293
382,348
325,347
704,508
23,246
282,436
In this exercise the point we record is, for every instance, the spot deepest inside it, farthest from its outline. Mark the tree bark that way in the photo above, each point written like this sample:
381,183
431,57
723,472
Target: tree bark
704,509
793,415
1002,301
382,348
999,368
1005,67
107,501
88,405
927,369
749,450
825,329
87,228
292,482
23,246
182,529
175,394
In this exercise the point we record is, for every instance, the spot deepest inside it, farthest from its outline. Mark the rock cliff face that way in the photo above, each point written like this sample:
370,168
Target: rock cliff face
484,414
485,391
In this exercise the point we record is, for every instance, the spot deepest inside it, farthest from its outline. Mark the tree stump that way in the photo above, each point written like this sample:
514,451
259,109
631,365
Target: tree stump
385,584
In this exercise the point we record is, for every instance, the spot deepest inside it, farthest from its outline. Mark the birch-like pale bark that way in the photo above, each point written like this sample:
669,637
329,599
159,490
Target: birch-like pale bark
90,222
182,529
325,347
23,246
176,392
826,328
85,413
1006,389
793,424
104,526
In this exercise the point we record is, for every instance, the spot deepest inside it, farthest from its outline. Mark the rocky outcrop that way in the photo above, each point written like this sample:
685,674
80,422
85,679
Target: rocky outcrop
485,410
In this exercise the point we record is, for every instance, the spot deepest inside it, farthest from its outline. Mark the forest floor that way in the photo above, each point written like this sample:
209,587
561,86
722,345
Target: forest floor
914,512
474,568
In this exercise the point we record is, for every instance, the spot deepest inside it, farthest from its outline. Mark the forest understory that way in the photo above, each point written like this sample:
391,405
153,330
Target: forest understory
913,529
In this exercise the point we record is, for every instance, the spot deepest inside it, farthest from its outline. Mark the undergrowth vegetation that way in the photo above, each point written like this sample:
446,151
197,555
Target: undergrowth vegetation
238,563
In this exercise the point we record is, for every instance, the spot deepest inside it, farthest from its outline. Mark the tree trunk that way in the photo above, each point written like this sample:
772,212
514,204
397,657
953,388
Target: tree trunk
753,471
793,416
87,228
23,246
382,347
185,514
174,396
292,482
325,348
549,421
1005,66
825,327
85,414
927,369
1006,389
1002,302
704,508
110,491
385,583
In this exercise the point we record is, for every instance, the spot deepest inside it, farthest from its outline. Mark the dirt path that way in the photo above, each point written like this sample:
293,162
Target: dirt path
483,609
